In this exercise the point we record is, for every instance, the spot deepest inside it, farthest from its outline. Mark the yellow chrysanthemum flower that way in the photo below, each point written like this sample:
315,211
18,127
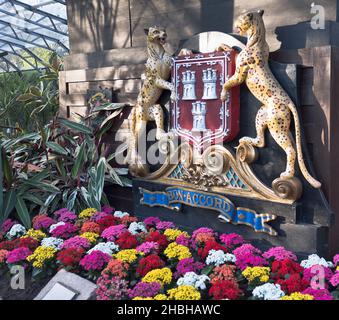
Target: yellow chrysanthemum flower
257,273
41,255
38,235
172,234
142,298
160,296
177,251
162,276
92,237
128,255
184,293
87,213
297,296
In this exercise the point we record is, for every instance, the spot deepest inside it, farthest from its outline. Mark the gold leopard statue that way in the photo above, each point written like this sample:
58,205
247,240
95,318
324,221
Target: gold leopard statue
147,108
275,114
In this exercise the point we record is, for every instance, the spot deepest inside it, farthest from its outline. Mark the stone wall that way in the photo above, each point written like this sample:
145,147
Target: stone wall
96,25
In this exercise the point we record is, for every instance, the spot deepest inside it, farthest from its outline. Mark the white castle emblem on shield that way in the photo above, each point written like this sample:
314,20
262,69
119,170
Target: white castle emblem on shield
199,115
188,80
209,78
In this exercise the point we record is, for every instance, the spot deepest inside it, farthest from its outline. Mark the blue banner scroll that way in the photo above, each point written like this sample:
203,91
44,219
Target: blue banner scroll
174,197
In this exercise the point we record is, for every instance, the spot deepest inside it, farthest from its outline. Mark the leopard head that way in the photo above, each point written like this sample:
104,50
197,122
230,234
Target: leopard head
249,20
156,35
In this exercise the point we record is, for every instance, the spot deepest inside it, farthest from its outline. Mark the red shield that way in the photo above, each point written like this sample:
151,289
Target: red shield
198,115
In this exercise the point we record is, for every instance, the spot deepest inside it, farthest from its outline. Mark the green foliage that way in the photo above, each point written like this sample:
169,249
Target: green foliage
30,100
21,187
76,162
60,166
47,162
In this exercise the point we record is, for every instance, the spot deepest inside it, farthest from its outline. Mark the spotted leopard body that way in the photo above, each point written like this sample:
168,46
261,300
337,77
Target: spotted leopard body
275,114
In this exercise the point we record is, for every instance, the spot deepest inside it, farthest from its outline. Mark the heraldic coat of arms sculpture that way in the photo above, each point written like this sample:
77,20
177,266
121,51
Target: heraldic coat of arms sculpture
211,160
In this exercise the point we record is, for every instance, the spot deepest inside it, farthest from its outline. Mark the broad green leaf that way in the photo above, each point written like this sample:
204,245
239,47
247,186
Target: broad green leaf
29,137
78,127
7,169
23,213
95,204
47,203
61,168
43,186
49,77
100,177
35,91
125,181
39,176
109,118
78,162
55,204
9,203
32,198
56,147
64,196
120,150
109,106
84,193
104,199
114,176
25,97
71,200
39,109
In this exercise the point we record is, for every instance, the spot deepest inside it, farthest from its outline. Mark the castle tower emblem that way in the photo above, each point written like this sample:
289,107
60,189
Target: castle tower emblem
188,80
199,115
209,78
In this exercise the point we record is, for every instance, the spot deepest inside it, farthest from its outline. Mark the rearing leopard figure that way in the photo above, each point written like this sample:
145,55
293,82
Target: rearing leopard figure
275,114
157,71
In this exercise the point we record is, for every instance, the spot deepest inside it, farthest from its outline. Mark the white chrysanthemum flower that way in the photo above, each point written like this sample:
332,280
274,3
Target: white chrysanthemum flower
53,242
219,257
194,280
314,259
120,214
105,247
268,291
16,231
53,226
137,227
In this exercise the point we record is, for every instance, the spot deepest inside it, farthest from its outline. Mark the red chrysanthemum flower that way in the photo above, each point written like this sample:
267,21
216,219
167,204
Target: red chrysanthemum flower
70,258
28,242
106,222
8,245
293,283
209,245
280,269
149,263
127,241
225,289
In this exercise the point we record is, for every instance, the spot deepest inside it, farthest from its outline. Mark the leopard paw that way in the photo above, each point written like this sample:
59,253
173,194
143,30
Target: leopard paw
247,140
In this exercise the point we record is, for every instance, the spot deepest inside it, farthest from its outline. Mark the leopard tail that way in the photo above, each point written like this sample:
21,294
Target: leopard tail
313,182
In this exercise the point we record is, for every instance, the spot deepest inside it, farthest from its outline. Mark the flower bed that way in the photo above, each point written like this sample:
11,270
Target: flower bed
154,260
